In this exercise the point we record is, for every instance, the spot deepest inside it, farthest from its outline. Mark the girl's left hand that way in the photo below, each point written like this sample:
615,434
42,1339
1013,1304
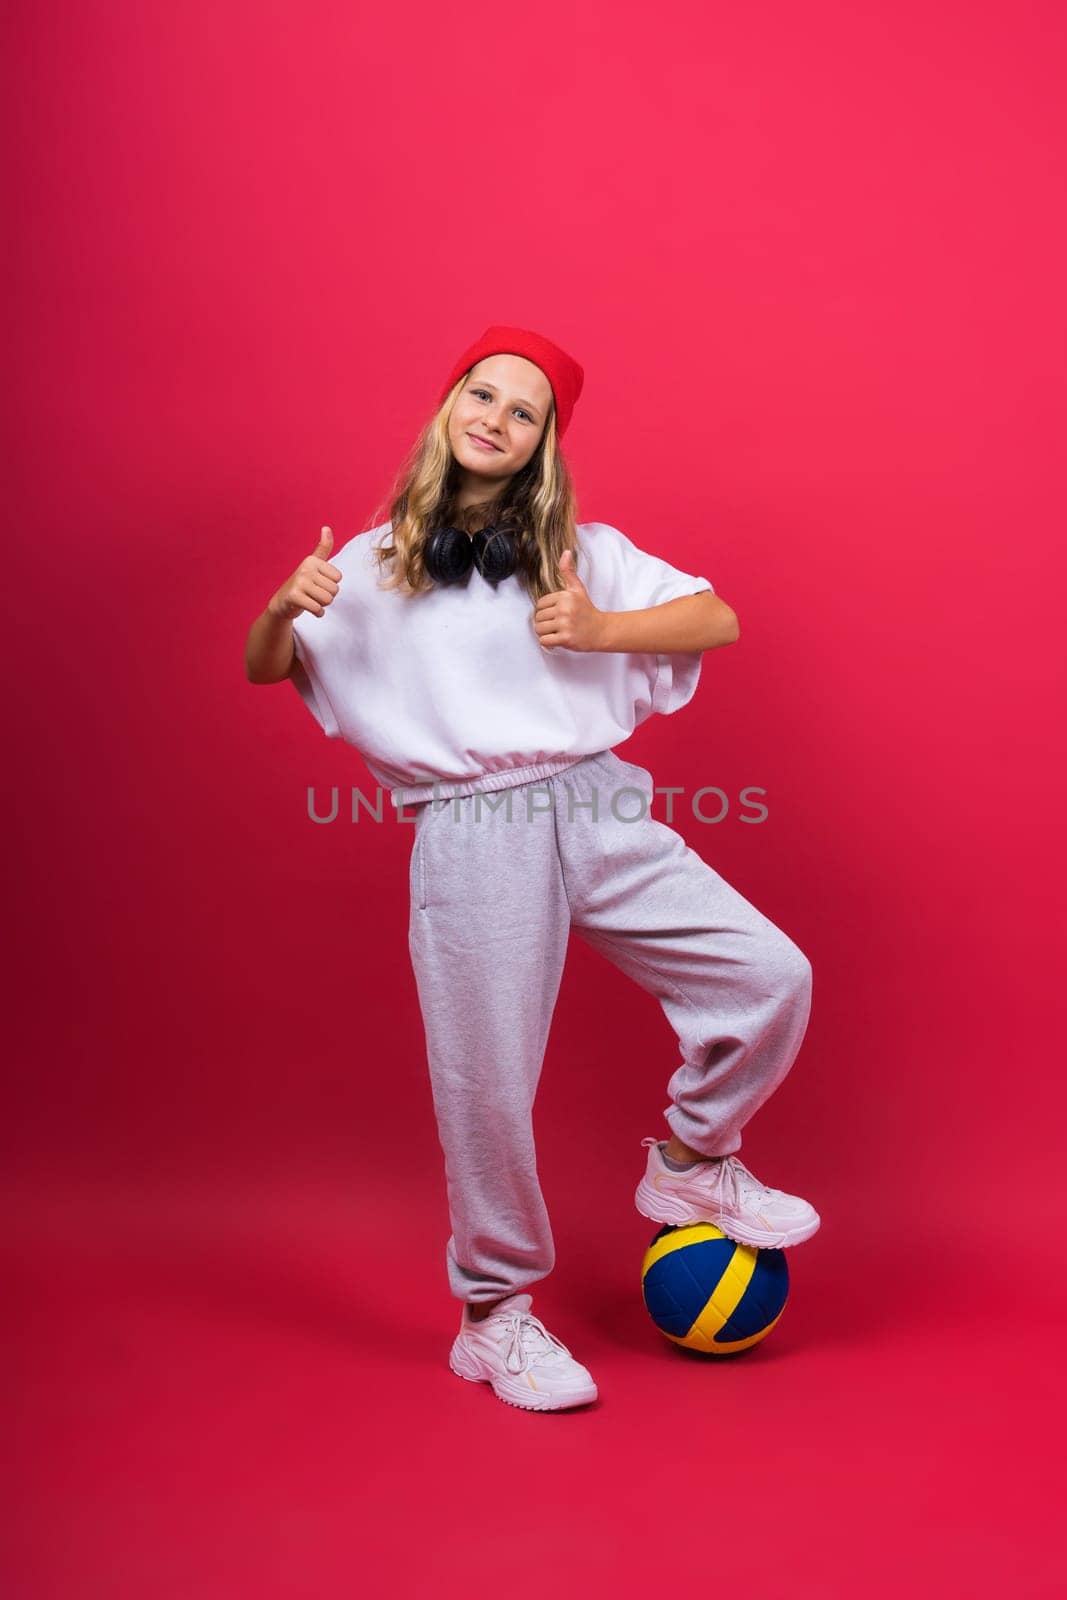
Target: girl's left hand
568,617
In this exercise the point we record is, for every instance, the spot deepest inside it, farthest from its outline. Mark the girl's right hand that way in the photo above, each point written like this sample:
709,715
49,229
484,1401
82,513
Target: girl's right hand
312,586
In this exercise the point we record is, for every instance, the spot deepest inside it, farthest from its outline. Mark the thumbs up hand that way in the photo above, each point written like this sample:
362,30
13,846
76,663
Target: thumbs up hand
312,586
568,617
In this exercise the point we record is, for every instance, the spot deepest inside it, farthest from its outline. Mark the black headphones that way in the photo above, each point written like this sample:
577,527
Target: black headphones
450,554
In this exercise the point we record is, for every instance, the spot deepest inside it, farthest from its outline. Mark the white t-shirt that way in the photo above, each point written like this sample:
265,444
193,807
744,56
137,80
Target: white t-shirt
453,684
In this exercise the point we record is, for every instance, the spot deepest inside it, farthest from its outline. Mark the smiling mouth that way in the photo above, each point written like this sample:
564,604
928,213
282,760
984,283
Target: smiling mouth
488,443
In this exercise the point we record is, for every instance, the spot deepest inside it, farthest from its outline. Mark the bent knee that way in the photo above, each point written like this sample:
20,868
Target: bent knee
789,969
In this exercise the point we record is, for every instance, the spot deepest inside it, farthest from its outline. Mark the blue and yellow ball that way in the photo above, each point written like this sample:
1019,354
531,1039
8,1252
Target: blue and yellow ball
707,1293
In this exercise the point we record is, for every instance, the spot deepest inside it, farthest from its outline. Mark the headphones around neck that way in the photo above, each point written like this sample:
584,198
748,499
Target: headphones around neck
450,554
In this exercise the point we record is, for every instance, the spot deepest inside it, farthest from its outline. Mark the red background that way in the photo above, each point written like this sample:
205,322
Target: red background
812,259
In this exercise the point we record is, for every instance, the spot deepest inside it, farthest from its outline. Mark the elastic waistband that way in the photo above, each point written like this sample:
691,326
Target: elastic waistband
509,778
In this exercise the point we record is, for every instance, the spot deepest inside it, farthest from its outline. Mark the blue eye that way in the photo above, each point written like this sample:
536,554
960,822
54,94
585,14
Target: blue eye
519,409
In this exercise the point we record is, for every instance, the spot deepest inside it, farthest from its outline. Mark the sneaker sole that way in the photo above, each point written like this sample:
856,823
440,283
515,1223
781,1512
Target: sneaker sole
513,1394
658,1207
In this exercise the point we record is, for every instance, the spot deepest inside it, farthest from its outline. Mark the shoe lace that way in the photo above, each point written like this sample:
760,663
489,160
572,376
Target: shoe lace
731,1174
529,1338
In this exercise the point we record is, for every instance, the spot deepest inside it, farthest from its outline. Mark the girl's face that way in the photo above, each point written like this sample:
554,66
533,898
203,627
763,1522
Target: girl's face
504,400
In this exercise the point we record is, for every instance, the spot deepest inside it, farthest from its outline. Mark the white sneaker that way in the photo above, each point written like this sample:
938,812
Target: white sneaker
513,1351
723,1191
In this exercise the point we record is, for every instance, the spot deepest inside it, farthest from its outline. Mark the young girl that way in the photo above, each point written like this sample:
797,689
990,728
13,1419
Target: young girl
485,654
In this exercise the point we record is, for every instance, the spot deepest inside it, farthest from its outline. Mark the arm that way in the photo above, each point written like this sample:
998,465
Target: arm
270,655
567,617
693,622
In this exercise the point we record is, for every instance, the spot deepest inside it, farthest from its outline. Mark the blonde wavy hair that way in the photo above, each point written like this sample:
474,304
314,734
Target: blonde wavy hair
538,503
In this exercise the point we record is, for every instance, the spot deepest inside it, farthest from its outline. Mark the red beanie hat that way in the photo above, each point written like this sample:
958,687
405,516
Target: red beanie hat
561,370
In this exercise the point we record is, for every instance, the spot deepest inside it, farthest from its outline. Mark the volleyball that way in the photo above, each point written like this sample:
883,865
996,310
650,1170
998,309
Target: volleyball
707,1293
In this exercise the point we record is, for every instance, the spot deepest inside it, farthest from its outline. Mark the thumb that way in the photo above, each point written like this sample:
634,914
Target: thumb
570,572
325,544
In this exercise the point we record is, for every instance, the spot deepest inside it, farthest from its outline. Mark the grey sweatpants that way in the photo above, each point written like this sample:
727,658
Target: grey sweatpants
497,881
